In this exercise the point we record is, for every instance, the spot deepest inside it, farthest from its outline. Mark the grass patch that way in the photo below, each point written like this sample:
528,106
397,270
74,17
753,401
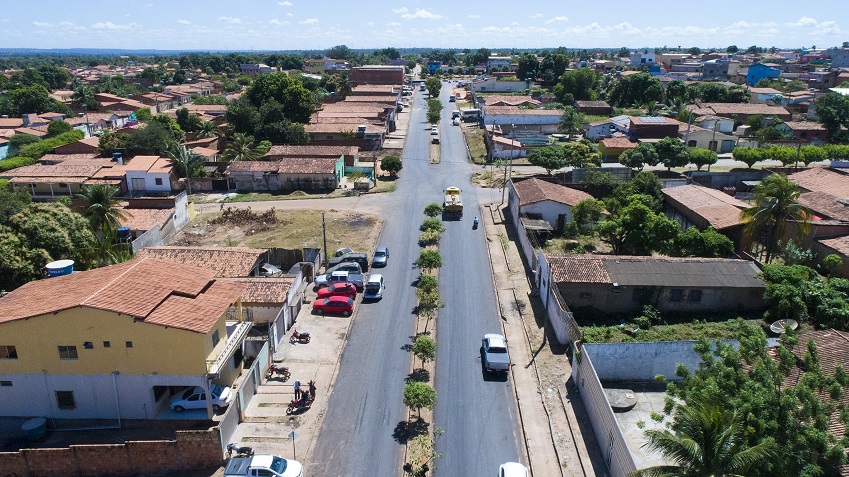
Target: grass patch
434,153
491,179
474,139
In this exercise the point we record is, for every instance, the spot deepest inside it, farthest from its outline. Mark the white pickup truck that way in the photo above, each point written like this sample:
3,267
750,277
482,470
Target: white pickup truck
263,465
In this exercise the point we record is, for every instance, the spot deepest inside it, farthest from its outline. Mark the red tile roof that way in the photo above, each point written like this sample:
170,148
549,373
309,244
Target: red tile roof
822,179
225,261
719,209
264,290
535,190
157,291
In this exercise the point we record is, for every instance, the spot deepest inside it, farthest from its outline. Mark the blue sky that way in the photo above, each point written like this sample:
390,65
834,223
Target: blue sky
301,24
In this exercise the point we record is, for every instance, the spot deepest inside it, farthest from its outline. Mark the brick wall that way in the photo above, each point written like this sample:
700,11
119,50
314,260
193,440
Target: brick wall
190,450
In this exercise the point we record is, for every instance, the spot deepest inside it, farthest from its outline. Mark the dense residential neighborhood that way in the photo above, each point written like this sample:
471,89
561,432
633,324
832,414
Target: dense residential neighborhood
571,260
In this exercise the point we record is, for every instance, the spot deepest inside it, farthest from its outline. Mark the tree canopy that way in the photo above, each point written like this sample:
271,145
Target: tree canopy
296,100
636,90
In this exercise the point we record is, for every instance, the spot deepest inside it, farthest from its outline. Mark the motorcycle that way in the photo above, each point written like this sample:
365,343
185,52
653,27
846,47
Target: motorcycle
299,337
297,405
240,451
475,223
280,371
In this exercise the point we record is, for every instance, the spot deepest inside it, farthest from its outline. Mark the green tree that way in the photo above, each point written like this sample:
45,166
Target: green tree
433,86
748,155
639,89
432,223
56,128
19,263
101,206
550,158
581,154
429,260
12,201
296,100
208,129
677,90
701,243
811,154
702,157
775,203
19,140
243,117
639,157
418,396
645,184
572,121
339,52
578,84
433,209
424,348
528,67
705,440
344,87
185,163
637,230
428,283
392,165
732,49
241,149
153,140
833,112
54,228
672,152
587,211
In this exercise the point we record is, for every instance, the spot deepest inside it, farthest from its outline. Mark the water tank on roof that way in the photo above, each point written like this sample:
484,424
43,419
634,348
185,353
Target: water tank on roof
60,267
123,232
118,157
361,129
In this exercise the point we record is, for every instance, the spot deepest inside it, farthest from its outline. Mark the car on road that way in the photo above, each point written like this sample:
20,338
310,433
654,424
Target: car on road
374,288
495,356
456,122
195,398
338,289
434,131
265,465
512,469
452,98
338,305
380,257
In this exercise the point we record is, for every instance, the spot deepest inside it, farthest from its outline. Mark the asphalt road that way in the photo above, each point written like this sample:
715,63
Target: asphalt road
360,433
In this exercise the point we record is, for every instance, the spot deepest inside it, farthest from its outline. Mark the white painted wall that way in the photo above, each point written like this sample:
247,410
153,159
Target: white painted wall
150,181
643,361
549,211
94,395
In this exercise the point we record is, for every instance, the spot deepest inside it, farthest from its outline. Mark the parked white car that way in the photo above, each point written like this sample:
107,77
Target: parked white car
512,469
195,398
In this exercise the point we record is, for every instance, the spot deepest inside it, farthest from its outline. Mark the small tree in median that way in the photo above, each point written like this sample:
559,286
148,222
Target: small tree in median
392,165
419,396
702,157
433,209
429,260
432,223
425,349
427,282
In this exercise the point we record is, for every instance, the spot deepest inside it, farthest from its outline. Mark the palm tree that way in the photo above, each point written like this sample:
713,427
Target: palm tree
186,162
101,207
776,203
344,87
241,149
572,121
208,129
707,441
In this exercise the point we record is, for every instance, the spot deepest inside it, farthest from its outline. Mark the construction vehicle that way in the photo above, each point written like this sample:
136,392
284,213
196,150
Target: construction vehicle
453,205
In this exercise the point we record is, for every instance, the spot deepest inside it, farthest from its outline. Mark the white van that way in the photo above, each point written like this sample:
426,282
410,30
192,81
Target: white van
374,287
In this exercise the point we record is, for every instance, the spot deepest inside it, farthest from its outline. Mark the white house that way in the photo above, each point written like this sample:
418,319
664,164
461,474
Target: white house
493,85
643,59
605,128
540,199
544,120
725,125
149,174
765,96
499,62
708,139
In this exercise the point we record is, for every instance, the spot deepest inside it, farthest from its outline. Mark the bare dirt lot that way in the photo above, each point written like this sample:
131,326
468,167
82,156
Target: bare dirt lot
291,229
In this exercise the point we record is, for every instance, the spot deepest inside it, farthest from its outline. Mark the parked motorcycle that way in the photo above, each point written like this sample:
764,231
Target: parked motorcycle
240,451
278,371
297,405
299,337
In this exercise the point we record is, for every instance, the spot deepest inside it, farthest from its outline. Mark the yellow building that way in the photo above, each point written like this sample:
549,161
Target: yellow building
118,341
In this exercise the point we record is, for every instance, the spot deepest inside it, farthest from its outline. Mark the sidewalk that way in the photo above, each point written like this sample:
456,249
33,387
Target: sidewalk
552,417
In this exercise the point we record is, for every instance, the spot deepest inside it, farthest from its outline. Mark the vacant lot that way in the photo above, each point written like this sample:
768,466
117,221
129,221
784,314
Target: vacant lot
474,139
291,229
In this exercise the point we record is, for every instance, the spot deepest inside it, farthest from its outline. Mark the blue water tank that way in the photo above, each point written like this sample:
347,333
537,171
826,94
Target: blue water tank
123,232
60,267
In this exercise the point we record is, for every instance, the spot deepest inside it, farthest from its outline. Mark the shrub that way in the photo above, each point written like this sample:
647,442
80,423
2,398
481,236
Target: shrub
15,162
429,237
433,209
432,223
429,260
427,282
38,149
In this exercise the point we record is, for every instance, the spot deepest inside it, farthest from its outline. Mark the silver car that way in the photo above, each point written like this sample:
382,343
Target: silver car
381,255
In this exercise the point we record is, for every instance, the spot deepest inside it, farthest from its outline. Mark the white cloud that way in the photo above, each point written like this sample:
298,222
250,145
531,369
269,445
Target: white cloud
184,22
290,14
42,24
148,5
308,21
113,26
514,24
556,20
422,14
537,15
400,10
371,24
285,4
804,22
231,20
473,16
277,22
393,24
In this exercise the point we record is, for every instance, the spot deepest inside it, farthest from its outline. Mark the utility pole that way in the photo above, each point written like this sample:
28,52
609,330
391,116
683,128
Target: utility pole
324,233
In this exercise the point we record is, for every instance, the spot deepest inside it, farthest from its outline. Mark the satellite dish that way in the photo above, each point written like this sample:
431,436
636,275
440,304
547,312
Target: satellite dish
780,326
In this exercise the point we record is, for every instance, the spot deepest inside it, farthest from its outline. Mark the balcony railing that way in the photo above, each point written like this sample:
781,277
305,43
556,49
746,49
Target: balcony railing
234,341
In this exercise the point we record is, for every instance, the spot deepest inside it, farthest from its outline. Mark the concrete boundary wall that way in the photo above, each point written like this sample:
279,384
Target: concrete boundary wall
190,450
643,361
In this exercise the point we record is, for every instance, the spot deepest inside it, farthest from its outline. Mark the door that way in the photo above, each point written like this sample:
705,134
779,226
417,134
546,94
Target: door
138,184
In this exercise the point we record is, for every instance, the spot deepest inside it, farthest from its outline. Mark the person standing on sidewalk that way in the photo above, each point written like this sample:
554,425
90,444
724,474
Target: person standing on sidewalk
312,389
297,385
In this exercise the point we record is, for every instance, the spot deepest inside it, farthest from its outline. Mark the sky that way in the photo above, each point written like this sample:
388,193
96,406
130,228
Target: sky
300,24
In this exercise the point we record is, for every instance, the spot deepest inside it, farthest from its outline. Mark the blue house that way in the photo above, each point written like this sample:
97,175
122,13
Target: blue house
433,66
760,71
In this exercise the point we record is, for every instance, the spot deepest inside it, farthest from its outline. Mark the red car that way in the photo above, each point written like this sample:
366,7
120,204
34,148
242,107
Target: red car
338,289
341,305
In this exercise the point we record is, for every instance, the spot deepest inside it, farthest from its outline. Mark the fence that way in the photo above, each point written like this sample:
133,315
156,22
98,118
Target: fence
561,318
243,395
611,442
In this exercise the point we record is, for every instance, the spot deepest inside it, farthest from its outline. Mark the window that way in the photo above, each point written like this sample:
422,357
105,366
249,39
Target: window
676,295
129,344
107,344
215,338
65,400
6,384
158,181
8,352
691,143
695,295
62,185
67,352
88,345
